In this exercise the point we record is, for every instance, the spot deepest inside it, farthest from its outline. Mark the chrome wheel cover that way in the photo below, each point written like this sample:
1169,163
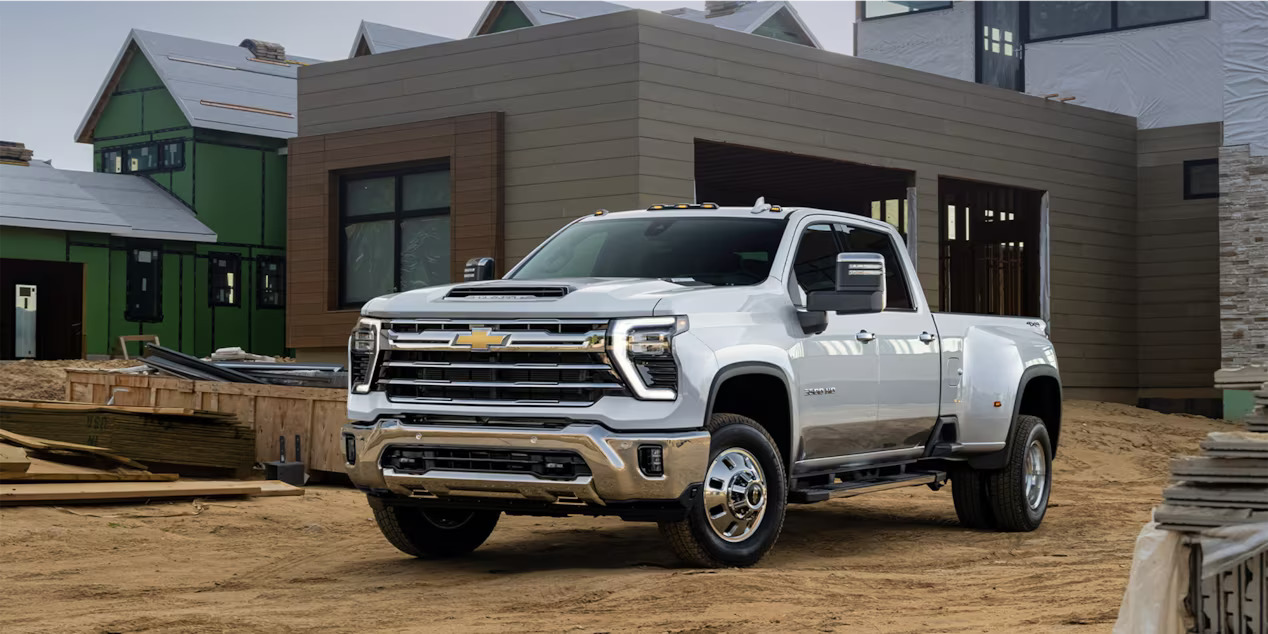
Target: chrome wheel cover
1036,474
735,495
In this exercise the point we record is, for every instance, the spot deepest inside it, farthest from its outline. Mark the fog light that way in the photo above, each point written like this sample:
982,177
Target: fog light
651,460
350,448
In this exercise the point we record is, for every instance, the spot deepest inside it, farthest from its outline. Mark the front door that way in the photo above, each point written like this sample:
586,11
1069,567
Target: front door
909,389
999,48
836,370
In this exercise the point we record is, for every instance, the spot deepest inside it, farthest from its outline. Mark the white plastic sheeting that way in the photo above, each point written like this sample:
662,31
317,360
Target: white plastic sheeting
1244,30
1164,75
940,42
1154,600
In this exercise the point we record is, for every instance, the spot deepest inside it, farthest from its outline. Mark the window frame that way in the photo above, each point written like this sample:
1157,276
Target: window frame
898,247
397,215
132,276
863,17
234,261
1114,27
180,163
157,146
280,286
1189,194
840,228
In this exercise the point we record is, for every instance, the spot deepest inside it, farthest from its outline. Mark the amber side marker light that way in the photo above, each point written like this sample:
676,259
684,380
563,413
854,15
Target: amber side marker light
998,404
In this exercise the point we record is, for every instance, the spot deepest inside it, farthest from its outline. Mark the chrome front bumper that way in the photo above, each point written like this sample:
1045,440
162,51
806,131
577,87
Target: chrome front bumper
612,459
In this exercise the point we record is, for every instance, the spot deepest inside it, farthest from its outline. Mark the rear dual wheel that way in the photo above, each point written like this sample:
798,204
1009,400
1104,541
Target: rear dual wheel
1015,498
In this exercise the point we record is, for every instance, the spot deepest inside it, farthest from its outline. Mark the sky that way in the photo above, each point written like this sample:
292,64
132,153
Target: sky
57,54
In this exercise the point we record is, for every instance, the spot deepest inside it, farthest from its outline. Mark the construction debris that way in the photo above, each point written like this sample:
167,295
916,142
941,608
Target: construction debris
234,365
184,441
99,492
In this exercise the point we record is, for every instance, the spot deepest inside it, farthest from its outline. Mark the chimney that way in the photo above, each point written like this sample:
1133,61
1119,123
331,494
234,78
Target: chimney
265,50
13,153
726,7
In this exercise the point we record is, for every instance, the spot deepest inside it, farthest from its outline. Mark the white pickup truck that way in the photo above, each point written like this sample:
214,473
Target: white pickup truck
697,366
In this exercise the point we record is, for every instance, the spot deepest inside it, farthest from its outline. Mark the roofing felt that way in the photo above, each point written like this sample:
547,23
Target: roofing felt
117,204
262,94
381,38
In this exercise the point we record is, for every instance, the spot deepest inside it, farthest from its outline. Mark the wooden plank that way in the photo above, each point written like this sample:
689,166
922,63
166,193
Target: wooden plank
13,459
63,406
48,471
31,442
11,494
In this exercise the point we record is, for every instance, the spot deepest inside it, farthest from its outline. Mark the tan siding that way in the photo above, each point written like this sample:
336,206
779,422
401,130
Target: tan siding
1177,263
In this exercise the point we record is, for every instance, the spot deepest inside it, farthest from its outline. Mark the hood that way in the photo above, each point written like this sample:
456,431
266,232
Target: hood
582,297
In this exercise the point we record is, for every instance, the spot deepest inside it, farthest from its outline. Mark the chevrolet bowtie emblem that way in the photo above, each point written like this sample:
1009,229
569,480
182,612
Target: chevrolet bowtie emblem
480,339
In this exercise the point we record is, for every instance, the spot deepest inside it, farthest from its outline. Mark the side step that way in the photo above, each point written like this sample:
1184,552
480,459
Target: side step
852,488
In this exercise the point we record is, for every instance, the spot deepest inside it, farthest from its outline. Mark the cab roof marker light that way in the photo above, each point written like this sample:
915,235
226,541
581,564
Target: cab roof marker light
600,212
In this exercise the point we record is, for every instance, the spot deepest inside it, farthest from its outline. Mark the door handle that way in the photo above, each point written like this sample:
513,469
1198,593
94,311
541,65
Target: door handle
865,336
925,337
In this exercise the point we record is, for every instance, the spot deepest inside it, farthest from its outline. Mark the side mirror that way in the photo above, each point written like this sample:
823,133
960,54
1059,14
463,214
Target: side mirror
860,286
478,269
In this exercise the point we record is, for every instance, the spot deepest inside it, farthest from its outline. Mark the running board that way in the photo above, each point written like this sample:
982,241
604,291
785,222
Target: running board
934,479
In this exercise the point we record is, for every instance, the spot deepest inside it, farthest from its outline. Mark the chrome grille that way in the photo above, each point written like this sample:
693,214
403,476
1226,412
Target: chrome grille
522,362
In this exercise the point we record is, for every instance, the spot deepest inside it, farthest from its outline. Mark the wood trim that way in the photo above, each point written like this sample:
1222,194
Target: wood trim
473,144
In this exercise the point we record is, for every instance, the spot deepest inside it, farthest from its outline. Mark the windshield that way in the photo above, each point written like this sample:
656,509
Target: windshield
714,251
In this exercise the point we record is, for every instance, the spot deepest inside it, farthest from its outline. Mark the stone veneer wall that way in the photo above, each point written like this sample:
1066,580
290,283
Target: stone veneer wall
1243,257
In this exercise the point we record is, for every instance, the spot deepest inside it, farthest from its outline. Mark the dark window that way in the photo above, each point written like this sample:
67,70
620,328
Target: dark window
815,266
172,154
1202,179
859,240
226,279
394,228
270,282
112,161
1050,20
686,249
142,158
144,286
882,9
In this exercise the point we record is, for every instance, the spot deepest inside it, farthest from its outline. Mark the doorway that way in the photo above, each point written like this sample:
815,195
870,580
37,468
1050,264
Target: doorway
59,307
999,50
990,249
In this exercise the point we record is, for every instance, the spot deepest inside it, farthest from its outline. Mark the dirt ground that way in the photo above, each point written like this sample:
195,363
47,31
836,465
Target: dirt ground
46,380
889,562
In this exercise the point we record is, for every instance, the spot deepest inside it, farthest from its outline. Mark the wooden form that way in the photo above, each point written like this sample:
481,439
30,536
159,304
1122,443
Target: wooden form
12,494
314,414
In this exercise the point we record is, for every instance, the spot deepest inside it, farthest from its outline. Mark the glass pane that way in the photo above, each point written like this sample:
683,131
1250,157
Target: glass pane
371,196
1058,19
816,265
173,154
1142,13
878,9
143,158
1204,179
424,252
428,190
868,241
369,253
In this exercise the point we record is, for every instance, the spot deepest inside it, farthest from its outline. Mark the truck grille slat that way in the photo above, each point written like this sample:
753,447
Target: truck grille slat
562,465
531,362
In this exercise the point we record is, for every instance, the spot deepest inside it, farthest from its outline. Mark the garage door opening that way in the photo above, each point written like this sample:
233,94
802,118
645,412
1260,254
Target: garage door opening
735,175
990,249
42,312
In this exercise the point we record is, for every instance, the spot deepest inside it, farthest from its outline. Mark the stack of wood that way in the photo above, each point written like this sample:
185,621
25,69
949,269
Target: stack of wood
14,153
40,470
184,441
1258,420
1227,484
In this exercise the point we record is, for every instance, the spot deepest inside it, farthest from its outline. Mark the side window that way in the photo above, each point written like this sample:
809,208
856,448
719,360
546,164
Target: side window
226,278
816,263
270,281
111,161
144,286
898,296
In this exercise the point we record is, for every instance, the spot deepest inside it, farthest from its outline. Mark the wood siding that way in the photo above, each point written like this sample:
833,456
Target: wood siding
605,112
473,146
1177,265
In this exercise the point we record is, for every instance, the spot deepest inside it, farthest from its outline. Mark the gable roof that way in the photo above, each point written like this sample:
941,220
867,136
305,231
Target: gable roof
549,11
45,197
381,38
747,18
217,86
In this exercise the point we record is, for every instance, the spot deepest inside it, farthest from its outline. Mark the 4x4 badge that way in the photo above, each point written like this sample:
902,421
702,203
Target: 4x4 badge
480,339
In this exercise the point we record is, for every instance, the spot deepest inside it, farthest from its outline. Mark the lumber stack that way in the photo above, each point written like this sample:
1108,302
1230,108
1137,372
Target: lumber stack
185,441
1258,420
1226,484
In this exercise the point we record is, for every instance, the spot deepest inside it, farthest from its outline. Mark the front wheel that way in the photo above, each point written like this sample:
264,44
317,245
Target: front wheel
740,510
432,532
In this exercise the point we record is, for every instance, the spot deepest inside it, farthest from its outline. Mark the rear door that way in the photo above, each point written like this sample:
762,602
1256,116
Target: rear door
836,371
909,370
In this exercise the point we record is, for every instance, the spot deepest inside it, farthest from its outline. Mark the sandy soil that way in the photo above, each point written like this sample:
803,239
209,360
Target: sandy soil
891,562
45,380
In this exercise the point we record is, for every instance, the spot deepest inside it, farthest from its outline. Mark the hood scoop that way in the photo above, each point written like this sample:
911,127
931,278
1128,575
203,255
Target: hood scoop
507,292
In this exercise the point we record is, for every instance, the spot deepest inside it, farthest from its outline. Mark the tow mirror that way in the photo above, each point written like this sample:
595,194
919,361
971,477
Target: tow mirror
860,286
478,269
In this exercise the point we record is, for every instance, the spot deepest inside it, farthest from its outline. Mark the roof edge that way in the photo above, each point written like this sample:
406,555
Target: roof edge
358,38
112,79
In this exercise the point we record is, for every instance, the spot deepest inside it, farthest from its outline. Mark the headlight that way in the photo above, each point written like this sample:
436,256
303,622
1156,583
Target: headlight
643,352
363,351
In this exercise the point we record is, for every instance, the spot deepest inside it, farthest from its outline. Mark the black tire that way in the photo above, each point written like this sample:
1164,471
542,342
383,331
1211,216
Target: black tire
972,506
694,540
432,533
1006,488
